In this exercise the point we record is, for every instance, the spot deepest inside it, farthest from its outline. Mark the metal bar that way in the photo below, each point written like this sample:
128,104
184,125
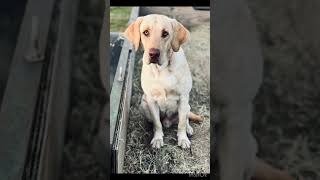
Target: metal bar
126,109
116,90
134,14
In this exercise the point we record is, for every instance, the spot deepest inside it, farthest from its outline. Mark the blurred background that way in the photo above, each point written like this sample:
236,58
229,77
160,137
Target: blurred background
87,97
287,107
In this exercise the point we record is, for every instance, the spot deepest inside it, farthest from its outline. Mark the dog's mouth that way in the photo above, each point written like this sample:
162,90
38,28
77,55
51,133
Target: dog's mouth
154,61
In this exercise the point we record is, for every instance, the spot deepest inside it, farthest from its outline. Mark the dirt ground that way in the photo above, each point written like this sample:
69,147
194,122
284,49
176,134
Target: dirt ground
140,157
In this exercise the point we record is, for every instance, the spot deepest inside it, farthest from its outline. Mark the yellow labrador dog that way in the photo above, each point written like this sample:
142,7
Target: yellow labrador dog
165,77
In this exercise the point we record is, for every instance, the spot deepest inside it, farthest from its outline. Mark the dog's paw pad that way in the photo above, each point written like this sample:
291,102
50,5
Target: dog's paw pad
184,142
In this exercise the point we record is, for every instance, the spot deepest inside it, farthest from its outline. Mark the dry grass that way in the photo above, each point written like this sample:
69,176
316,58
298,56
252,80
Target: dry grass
140,157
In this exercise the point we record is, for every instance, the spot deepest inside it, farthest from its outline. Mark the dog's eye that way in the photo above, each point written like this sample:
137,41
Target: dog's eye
146,33
164,34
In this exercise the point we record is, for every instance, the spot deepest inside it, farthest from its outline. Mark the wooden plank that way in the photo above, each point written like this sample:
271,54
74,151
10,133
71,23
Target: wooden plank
19,102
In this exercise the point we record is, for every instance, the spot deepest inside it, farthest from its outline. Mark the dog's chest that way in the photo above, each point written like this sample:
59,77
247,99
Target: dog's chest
163,89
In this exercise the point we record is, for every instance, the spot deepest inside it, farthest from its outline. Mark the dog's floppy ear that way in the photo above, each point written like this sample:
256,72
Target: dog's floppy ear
180,35
132,33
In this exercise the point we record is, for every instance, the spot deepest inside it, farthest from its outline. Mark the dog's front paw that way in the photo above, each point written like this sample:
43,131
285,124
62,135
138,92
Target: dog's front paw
157,140
183,141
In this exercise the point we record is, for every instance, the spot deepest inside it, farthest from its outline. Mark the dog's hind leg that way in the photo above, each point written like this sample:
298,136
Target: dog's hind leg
194,117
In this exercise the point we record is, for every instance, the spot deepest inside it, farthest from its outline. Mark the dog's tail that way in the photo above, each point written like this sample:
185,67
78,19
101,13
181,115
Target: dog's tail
265,171
195,118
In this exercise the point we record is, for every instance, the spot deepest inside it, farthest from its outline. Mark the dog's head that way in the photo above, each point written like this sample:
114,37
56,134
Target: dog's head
158,35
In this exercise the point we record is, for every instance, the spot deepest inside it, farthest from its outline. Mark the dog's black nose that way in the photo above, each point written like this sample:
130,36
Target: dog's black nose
154,55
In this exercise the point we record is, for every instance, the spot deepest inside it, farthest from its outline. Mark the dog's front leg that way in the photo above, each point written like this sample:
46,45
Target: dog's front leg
157,140
184,109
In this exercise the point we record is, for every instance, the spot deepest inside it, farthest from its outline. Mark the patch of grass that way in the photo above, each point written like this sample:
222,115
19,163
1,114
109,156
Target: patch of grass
119,17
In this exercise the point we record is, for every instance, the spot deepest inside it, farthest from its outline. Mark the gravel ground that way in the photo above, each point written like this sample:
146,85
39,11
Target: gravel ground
140,157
